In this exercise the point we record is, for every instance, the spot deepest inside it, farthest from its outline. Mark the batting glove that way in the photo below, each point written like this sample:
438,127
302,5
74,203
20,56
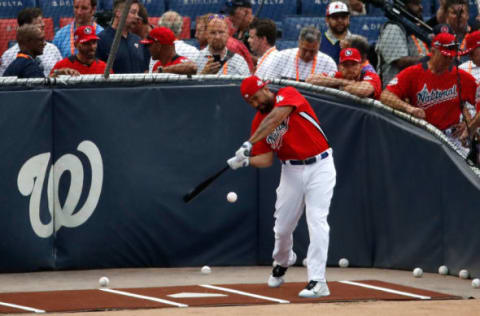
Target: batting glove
244,151
236,162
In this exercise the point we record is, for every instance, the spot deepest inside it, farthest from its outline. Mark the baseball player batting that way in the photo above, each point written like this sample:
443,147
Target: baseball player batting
286,124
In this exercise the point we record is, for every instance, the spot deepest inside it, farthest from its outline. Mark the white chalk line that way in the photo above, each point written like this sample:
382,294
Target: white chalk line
208,286
384,289
30,309
149,298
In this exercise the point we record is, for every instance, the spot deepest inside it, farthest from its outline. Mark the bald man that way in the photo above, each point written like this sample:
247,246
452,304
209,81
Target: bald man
216,58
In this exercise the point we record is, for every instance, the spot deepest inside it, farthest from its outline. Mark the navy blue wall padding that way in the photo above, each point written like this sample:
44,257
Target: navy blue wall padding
9,9
402,199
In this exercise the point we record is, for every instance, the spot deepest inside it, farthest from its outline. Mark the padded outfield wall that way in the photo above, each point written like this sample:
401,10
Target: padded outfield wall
93,174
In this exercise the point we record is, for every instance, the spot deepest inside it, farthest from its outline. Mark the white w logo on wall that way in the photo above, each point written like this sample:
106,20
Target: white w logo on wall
30,183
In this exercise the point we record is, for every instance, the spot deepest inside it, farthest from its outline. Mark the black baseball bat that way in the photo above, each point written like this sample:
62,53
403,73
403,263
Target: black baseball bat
202,186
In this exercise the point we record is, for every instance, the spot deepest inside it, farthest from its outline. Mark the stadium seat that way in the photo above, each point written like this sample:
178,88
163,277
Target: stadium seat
10,9
285,44
473,11
292,25
368,26
153,20
65,21
8,31
154,7
275,10
56,9
193,8
314,7
49,29
429,9
104,5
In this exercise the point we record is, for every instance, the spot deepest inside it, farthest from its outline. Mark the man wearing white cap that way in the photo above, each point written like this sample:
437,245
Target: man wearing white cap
430,90
338,22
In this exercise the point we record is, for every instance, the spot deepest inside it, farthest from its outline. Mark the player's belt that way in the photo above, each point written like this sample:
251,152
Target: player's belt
307,161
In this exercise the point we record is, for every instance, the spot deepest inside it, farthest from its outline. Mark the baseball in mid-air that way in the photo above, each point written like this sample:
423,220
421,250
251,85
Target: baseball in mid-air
463,274
343,263
103,281
443,270
232,197
205,270
418,272
476,283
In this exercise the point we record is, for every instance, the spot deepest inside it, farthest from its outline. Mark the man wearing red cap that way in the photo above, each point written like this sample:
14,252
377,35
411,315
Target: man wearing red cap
350,77
161,44
473,49
286,124
84,62
430,90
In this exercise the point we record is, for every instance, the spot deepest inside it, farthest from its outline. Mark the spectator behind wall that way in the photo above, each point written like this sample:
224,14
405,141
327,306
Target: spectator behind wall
337,18
262,37
457,15
142,28
130,57
350,77
396,48
31,40
85,61
83,11
361,43
303,61
50,55
233,44
239,18
216,58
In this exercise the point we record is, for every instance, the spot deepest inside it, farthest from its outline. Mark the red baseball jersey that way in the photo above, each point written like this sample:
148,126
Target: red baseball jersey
370,77
97,67
299,136
175,61
436,94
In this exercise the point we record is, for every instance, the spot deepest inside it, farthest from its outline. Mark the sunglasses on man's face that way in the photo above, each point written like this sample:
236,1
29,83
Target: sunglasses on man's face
216,16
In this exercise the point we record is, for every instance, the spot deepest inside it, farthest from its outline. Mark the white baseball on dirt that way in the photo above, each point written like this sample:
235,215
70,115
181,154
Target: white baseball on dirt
443,270
206,270
476,283
232,197
103,281
343,263
463,274
418,272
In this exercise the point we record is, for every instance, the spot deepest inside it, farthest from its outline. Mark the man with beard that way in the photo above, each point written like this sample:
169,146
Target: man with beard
130,56
216,58
338,21
396,49
286,124
430,90
161,44
350,77
85,61
83,11
31,41
299,63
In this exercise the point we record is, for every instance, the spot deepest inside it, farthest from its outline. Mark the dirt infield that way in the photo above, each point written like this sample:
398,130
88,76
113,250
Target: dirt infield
159,283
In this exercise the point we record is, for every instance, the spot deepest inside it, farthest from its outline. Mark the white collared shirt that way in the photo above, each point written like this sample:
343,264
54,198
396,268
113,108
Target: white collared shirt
264,62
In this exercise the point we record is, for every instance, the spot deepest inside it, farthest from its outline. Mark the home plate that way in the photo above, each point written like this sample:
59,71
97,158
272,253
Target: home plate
195,295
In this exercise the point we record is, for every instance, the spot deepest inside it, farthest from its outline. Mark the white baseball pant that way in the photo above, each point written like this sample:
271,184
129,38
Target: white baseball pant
307,187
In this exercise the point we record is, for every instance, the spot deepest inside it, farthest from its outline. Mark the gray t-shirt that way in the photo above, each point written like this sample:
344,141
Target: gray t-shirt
393,43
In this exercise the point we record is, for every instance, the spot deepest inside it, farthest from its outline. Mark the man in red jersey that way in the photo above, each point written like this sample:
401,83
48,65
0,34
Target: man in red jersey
430,90
287,125
161,44
350,77
85,61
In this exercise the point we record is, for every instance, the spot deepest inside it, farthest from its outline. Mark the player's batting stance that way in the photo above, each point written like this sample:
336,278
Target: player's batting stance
286,124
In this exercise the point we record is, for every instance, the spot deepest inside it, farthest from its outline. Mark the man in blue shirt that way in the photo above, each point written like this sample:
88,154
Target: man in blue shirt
83,11
130,57
338,22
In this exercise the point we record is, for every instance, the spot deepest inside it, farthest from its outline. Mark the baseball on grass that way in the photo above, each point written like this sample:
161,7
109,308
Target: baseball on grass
476,283
232,197
463,274
205,270
417,272
103,281
443,270
343,263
